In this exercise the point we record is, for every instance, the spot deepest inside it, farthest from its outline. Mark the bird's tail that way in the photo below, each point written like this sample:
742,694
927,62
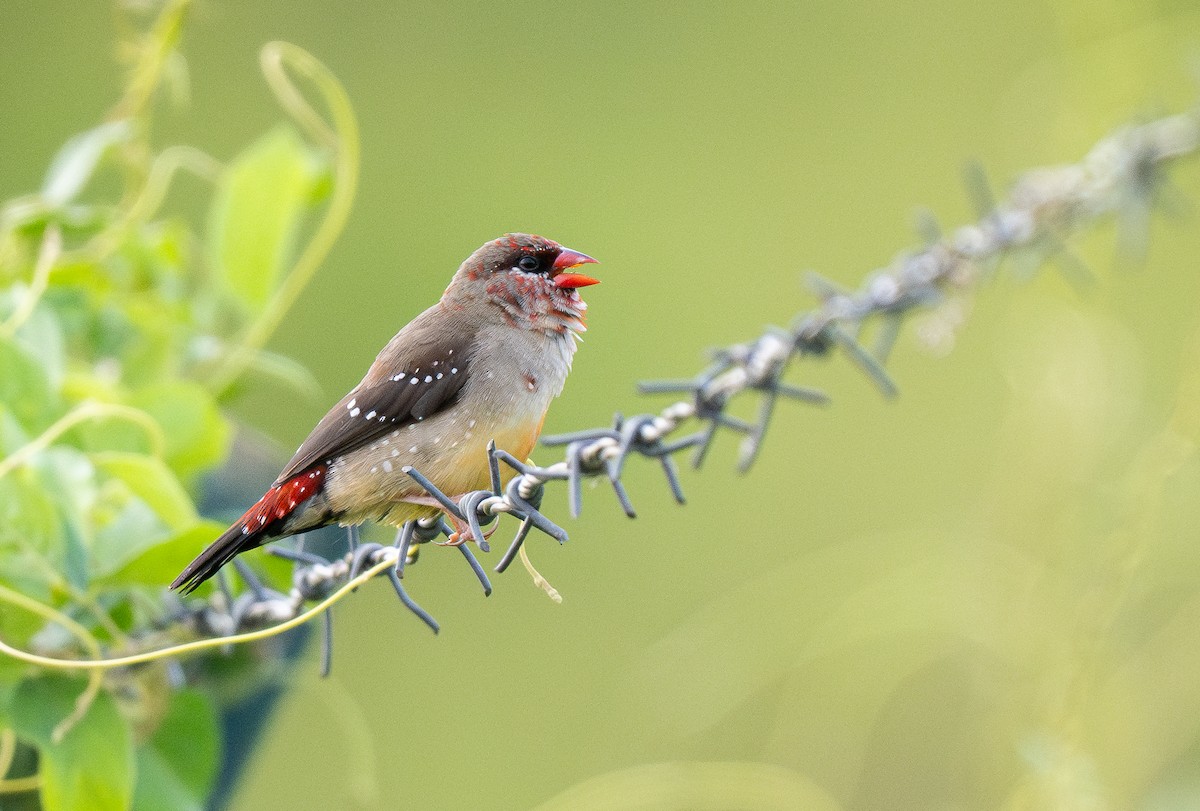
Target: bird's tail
284,509
225,548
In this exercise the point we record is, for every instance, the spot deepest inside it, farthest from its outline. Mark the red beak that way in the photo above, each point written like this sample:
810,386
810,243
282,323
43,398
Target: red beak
567,260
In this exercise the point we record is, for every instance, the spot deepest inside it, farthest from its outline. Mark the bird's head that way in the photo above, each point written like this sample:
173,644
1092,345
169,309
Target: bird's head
528,281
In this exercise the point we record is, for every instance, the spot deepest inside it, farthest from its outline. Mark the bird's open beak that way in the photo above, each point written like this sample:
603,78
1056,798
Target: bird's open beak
568,260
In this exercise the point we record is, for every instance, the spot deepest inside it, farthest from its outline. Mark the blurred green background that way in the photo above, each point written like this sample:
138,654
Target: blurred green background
982,595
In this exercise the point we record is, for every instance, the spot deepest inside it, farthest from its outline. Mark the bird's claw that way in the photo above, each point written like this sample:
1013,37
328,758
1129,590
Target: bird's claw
465,535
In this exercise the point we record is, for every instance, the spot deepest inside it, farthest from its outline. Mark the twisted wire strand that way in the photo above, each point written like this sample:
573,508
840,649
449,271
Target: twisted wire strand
1043,209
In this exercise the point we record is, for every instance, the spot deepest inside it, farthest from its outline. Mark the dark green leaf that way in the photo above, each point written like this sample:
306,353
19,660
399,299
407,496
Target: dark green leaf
92,768
177,765
257,210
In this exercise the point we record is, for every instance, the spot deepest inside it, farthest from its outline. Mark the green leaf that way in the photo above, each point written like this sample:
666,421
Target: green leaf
154,483
125,527
290,372
177,765
68,479
77,160
158,564
28,516
24,387
10,678
257,210
197,434
42,337
92,768
32,546
12,435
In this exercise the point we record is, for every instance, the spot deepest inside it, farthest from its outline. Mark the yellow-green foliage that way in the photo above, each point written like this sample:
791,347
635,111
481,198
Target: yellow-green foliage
123,324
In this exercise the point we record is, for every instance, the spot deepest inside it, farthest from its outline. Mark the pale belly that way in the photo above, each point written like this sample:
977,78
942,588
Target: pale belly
450,449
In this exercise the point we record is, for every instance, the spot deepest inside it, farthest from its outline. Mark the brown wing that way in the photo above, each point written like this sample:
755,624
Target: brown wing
411,380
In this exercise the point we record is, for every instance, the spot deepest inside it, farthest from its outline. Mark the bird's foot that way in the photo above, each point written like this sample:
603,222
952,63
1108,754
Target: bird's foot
462,534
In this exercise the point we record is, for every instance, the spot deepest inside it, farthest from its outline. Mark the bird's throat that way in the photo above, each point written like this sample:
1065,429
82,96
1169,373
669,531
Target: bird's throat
535,303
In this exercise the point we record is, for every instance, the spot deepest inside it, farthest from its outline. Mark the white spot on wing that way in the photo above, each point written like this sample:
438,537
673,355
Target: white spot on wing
354,412
370,415
387,466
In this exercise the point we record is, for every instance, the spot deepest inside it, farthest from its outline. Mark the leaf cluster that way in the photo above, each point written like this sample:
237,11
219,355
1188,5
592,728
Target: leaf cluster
123,319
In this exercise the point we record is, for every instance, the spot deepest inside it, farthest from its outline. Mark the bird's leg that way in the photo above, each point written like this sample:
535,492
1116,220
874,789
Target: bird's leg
462,532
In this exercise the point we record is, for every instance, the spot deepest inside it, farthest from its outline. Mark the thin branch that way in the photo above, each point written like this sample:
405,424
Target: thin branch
47,256
343,141
81,414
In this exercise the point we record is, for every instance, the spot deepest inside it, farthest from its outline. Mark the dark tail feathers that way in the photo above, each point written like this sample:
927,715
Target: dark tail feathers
267,519
231,543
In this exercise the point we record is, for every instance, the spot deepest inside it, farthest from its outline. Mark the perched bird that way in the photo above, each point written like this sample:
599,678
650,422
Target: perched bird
482,364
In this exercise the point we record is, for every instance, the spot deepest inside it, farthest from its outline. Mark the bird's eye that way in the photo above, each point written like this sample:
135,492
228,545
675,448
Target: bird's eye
529,263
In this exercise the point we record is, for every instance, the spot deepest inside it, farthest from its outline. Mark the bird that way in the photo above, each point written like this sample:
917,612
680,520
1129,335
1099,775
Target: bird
481,364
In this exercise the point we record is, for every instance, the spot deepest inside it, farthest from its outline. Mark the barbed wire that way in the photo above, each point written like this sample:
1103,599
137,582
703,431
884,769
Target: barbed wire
1125,172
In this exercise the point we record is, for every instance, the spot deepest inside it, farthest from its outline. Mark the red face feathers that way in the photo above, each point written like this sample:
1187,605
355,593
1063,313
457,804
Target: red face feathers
531,279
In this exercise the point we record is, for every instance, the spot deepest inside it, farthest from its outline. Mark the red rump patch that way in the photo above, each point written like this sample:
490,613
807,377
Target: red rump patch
283,499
